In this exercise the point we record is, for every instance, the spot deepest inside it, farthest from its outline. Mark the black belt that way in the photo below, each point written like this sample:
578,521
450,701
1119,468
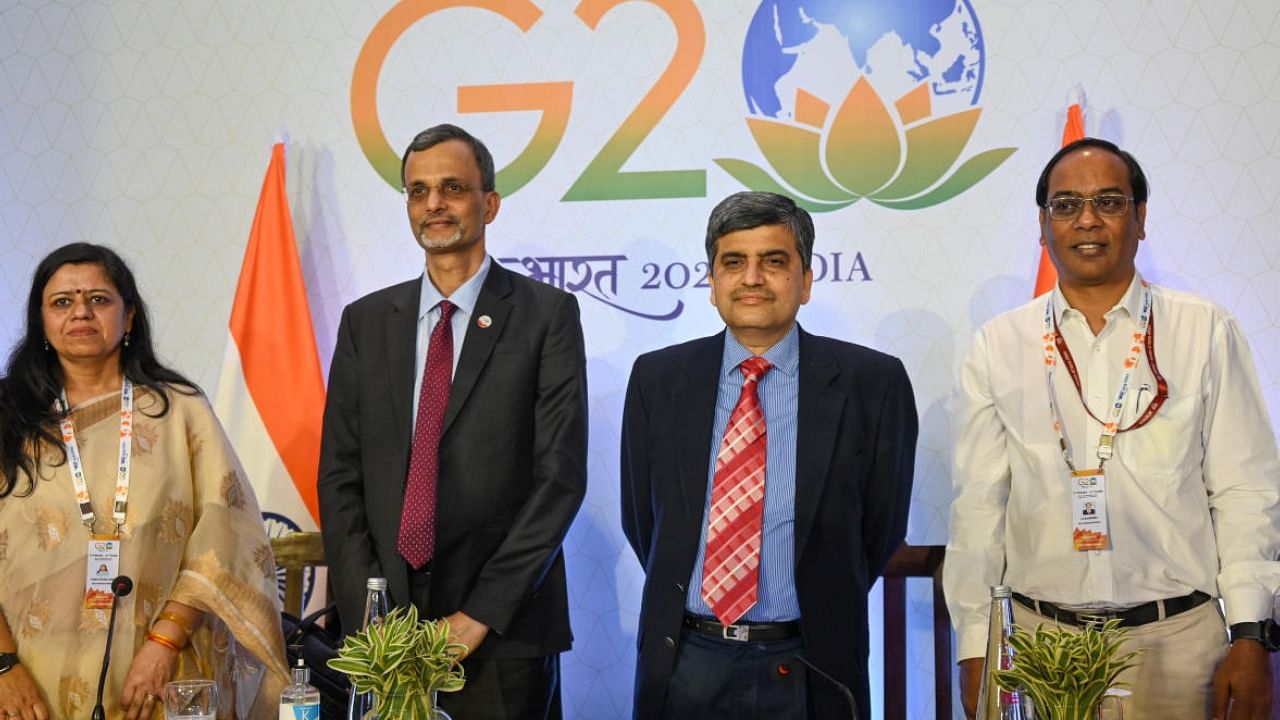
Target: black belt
745,632
1129,617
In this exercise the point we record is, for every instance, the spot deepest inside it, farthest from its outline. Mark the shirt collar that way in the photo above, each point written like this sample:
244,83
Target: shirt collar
784,356
465,297
1130,302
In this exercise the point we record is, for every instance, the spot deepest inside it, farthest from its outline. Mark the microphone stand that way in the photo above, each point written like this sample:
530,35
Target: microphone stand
120,587
844,690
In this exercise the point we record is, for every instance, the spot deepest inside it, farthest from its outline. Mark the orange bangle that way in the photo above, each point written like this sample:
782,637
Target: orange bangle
178,620
168,642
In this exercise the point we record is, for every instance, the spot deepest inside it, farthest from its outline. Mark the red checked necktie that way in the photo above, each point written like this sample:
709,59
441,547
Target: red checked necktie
417,543
731,572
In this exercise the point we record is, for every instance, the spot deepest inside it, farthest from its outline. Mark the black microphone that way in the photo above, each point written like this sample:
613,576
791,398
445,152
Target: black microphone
121,586
844,689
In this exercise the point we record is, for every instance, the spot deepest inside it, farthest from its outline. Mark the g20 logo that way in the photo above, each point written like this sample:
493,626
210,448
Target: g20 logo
801,59
603,178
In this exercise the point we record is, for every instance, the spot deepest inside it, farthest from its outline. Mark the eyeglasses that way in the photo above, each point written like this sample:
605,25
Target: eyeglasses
451,190
1068,207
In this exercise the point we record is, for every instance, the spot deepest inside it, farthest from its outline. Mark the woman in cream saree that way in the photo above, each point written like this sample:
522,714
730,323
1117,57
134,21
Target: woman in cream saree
192,540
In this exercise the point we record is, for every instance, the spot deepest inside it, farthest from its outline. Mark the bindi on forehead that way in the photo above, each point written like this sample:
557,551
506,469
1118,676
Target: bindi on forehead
77,291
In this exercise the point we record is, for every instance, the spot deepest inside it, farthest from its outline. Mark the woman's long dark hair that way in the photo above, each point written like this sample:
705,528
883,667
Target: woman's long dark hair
33,379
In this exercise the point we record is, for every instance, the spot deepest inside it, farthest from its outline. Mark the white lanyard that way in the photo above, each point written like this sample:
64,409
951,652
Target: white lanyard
1111,426
122,469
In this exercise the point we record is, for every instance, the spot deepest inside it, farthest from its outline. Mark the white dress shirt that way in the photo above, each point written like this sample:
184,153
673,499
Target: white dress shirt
1193,497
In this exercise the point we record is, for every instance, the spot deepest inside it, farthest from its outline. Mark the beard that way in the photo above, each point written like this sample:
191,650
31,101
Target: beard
429,243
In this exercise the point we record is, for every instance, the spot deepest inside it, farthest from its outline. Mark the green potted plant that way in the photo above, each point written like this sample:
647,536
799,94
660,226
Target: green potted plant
404,662
1067,674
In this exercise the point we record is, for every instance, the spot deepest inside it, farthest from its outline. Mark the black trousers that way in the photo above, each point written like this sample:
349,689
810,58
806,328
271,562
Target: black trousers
497,688
507,689
716,678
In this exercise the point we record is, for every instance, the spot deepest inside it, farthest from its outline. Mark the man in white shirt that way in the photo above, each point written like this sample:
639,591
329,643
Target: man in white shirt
1140,404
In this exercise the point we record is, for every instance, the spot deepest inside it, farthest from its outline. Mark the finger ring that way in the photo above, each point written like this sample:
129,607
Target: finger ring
149,697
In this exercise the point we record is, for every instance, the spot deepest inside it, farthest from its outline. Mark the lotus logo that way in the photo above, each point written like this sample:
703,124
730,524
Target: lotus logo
901,157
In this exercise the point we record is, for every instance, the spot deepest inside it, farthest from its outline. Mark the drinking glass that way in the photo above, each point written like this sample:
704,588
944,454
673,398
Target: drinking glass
190,700
1112,708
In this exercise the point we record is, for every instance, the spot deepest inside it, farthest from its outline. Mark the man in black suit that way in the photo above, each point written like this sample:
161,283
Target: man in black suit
459,488
835,427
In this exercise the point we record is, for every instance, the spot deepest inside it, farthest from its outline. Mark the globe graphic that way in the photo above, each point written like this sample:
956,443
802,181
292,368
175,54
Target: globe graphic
824,46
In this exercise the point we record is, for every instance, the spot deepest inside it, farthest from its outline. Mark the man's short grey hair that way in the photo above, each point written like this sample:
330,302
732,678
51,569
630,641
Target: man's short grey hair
753,209
433,136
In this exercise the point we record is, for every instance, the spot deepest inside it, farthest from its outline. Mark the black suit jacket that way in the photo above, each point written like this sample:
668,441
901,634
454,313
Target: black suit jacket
512,460
855,456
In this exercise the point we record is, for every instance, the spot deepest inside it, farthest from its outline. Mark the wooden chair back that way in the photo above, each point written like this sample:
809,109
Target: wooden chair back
296,552
920,561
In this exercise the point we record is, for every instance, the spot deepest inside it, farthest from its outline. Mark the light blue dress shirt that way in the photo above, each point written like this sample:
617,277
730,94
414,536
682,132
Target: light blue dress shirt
465,298
779,393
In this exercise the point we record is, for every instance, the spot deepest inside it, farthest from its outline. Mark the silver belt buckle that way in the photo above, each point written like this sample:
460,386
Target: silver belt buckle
740,633
1097,617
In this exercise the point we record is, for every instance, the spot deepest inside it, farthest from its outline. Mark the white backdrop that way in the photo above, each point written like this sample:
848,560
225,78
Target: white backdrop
147,126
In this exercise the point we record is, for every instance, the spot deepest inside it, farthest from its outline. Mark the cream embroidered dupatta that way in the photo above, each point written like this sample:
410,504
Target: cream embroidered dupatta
193,535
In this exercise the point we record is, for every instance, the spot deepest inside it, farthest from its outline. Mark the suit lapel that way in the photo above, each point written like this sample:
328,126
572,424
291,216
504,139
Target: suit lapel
479,342
820,409
402,333
693,403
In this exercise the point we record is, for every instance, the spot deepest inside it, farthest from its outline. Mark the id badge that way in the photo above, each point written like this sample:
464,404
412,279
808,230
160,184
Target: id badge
1089,510
103,567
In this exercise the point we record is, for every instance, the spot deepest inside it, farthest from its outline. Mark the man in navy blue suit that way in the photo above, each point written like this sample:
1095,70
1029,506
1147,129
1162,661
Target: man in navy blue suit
766,479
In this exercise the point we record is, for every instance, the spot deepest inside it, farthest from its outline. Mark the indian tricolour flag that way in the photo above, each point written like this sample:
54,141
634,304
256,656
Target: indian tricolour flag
1073,130
271,392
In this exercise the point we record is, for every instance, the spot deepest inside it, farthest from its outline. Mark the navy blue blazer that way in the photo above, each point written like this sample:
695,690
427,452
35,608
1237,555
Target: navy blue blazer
855,457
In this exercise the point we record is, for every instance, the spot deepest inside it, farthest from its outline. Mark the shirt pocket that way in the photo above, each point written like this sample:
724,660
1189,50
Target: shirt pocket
1168,446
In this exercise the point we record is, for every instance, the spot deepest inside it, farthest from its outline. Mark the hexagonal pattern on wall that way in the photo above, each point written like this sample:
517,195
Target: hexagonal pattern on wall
147,126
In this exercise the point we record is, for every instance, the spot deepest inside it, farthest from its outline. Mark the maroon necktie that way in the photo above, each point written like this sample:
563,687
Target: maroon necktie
731,571
418,520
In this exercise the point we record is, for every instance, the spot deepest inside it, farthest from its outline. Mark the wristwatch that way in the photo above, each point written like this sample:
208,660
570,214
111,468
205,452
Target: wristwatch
1266,632
7,661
